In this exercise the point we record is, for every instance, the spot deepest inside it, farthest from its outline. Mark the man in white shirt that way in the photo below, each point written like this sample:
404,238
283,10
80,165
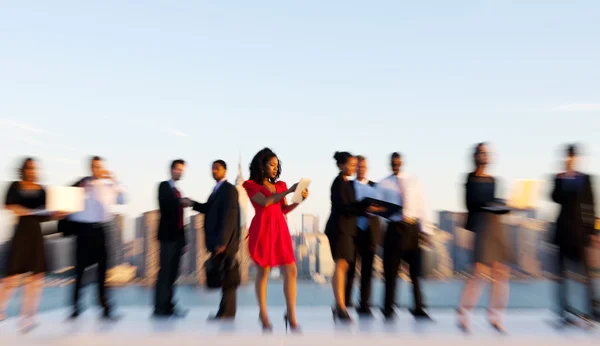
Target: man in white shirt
403,232
101,192
367,239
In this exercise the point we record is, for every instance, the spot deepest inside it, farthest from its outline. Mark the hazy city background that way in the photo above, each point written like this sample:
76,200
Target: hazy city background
135,261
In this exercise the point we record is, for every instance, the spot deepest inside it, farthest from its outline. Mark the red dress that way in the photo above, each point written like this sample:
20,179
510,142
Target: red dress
269,239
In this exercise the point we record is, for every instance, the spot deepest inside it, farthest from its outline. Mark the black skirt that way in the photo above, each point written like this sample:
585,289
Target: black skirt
342,245
26,253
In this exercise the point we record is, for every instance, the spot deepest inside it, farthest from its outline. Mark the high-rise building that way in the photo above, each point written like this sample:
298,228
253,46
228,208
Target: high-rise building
310,223
325,263
129,253
139,245
443,243
463,250
453,223
429,259
188,264
114,241
149,228
244,254
302,261
531,234
201,254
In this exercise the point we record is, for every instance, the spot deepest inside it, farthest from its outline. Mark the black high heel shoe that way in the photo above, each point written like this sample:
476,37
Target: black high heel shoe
266,326
341,315
288,324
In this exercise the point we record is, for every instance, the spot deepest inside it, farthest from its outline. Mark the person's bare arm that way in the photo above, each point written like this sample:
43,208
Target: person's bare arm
264,201
18,210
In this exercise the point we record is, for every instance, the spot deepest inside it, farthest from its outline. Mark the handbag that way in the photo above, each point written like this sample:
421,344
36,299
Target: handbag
222,271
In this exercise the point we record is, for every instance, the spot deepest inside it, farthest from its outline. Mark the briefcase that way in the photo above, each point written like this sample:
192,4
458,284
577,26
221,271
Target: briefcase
221,272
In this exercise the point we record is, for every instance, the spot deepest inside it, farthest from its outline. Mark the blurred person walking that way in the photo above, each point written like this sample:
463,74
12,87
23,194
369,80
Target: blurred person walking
26,199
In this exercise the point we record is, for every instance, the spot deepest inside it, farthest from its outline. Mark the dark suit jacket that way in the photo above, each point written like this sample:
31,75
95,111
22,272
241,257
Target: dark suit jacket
221,219
168,203
344,208
576,219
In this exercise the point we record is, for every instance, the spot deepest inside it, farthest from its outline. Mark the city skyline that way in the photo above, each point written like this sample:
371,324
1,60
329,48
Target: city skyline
447,257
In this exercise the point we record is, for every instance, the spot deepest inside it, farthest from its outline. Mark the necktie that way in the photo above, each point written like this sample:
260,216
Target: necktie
179,207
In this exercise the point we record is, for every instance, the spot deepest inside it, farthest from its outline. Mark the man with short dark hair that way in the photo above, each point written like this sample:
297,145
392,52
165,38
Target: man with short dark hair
575,228
404,230
101,192
172,241
222,235
367,240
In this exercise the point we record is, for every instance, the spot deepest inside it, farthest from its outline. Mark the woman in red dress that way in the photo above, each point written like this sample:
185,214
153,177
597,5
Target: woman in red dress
269,239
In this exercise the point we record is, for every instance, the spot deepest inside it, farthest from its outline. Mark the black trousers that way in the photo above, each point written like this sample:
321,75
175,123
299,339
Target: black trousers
365,248
593,304
228,305
170,257
401,244
91,249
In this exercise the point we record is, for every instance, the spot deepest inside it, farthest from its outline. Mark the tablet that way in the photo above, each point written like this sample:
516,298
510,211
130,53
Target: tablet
302,185
391,208
65,198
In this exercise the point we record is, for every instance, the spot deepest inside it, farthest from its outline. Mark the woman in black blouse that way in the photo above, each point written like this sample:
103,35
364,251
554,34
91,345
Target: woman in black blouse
492,250
26,198
341,228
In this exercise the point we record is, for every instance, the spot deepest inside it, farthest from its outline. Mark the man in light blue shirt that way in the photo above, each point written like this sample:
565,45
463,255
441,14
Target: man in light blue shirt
367,239
101,193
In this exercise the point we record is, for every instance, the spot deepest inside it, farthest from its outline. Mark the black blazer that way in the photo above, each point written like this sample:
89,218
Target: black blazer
222,219
479,193
576,219
344,208
168,203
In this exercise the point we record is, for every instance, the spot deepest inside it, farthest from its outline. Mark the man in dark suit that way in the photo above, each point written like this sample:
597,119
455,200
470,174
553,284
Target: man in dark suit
575,227
222,234
367,240
172,242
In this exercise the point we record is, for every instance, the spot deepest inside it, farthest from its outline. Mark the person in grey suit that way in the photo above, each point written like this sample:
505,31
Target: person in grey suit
222,234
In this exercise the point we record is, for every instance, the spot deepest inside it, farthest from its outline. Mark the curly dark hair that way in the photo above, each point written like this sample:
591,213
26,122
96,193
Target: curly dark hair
257,166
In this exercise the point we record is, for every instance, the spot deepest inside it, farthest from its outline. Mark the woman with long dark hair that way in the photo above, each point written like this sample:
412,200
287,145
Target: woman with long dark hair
492,246
341,228
26,198
269,239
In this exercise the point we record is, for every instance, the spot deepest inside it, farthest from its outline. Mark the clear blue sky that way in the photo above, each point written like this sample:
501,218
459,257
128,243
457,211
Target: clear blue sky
143,82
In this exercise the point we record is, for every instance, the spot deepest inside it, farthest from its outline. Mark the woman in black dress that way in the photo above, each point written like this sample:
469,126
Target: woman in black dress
26,198
341,228
492,248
